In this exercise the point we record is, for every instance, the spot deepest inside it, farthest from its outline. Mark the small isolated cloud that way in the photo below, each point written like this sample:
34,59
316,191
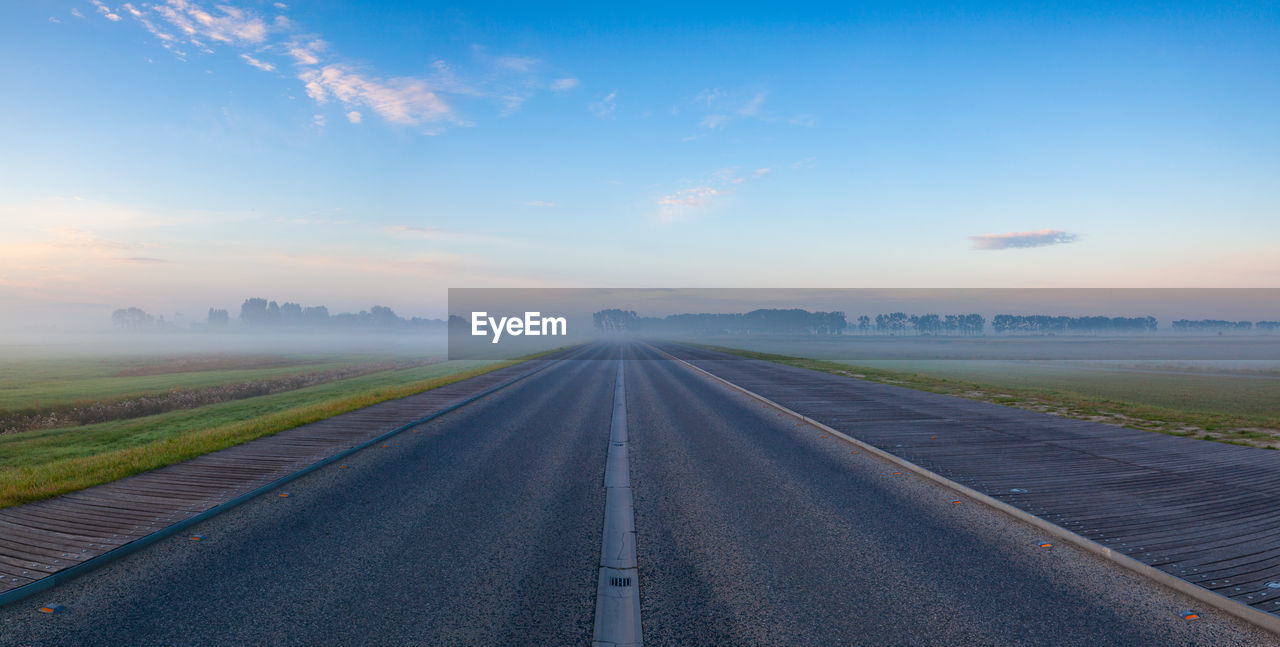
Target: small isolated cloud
567,83
264,66
318,120
762,172
714,121
354,116
281,5
723,107
606,107
808,162
752,106
539,203
516,63
1039,238
76,13
52,19
402,100
695,197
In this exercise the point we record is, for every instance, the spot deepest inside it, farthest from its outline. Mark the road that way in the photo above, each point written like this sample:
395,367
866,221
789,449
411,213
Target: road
484,527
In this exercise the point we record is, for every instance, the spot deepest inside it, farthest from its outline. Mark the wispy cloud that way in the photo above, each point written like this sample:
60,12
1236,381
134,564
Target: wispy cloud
706,193
566,83
1019,239
265,67
605,107
425,101
723,107
401,100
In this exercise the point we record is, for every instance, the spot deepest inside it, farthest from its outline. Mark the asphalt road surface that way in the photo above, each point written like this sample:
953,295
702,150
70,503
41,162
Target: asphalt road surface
483,527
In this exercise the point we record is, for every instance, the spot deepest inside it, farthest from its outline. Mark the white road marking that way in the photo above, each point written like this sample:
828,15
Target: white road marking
618,586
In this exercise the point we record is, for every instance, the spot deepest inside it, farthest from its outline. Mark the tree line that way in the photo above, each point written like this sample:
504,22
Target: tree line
764,321
1219,325
258,313
1044,324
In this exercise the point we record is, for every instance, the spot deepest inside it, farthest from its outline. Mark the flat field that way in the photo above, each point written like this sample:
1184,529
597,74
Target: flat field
1225,400
77,416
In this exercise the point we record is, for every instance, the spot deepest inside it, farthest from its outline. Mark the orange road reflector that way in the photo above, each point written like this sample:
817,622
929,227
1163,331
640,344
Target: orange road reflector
386,445
822,436
1189,615
196,537
52,608
1046,545
933,437
897,473
342,467
285,495
955,502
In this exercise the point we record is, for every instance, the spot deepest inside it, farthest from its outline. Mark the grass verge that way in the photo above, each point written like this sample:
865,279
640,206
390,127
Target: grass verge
1240,429
37,465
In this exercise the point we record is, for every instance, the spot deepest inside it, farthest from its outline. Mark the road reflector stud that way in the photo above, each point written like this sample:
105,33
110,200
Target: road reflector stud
897,473
933,437
386,445
196,537
342,467
1046,545
1189,615
955,502
52,608
285,495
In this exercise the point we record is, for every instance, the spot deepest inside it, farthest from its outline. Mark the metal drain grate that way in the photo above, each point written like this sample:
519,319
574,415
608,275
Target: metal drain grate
620,581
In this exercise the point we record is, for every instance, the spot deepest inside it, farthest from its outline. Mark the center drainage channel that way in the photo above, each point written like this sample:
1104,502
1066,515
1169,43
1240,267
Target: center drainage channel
618,589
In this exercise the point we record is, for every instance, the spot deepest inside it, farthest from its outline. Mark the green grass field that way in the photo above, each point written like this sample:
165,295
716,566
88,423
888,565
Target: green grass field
1235,404
42,463
37,383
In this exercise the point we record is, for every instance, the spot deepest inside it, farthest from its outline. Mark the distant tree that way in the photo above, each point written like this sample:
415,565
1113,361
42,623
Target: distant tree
254,312
315,316
219,318
133,319
864,323
291,314
384,317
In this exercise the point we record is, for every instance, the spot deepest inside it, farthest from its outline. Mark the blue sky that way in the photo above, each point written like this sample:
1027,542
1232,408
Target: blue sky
177,155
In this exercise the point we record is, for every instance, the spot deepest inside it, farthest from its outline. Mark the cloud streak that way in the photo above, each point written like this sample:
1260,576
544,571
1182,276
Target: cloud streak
1023,239
425,101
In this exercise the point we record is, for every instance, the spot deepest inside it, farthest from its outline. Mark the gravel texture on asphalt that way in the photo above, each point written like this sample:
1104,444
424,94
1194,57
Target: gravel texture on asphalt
752,530
484,527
